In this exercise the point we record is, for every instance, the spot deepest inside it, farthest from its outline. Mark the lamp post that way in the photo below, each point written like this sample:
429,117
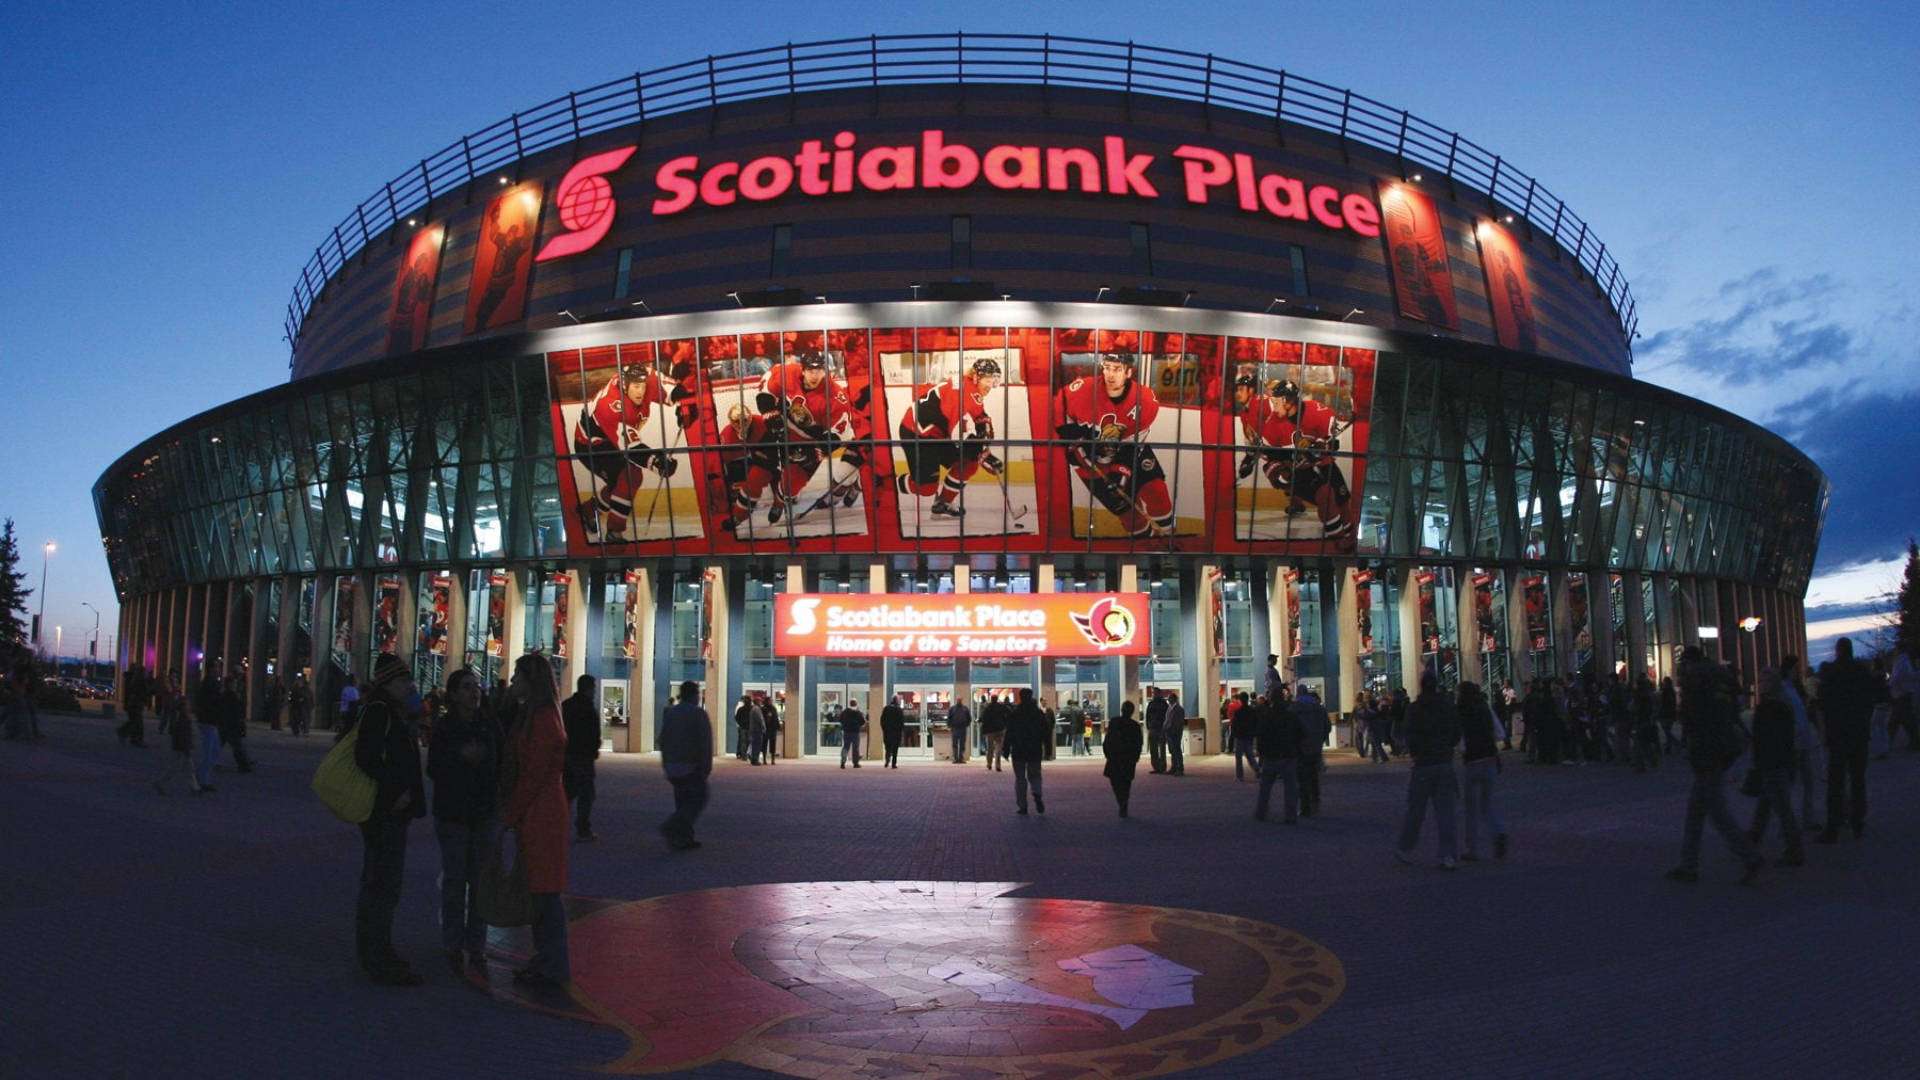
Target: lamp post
93,643
40,619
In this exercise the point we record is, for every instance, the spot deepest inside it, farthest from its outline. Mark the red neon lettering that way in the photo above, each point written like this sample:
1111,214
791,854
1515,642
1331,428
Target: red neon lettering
711,192
898,163
1362,216
1127,175
1059,158
943,166
586,204
999,160
1243,181
843,163
1204,169
1321,201
672,177
1273,185
810,160
766,178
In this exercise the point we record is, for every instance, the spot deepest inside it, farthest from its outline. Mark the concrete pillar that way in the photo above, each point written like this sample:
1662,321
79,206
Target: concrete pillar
1207,703
1130,684
646,700
1406,613
1473,665
1277,633
581,656
1043,582
458,581
1566,646
513,630
257,627
1348,643
1636,626
792,738
877,670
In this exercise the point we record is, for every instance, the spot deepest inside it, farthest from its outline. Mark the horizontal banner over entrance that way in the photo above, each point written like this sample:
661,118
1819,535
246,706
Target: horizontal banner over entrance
975,625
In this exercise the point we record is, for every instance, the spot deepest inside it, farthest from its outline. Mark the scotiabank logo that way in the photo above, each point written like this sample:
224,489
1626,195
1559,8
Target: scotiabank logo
841,166
586,205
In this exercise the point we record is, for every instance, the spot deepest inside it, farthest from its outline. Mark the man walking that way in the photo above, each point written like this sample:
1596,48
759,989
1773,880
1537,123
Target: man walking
1433,727
1314,725
134,691
993,729
1174,731
853,726
1847,693
1157,730
960,722
1709,708
686,753
1028,732
581,716
1277,734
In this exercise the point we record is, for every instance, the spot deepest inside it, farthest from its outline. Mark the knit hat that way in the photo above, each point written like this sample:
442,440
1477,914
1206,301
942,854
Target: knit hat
388,666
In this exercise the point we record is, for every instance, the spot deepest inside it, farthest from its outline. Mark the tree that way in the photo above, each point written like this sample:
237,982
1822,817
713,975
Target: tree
1906,635
13,601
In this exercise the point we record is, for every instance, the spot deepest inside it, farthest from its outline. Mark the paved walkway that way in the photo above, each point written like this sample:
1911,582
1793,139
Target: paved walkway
164,937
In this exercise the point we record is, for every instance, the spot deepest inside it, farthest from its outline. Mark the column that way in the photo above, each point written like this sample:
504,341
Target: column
288,619
1349,643
513,630
646,699
962,668
257,623
716,599
1600,616
1407,612
1473,661
1565,645
456,643
582,656
1631,588
877,667
1207,703
1282,643
1043,583
1333,601
1130,685
793,739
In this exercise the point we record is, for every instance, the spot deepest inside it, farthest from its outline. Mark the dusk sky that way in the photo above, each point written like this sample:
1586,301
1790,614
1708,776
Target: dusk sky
1752,167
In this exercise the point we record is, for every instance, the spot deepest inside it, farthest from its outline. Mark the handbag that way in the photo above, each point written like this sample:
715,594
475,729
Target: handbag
501,896
342,785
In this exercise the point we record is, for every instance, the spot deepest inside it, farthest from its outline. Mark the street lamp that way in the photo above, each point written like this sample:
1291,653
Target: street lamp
40,620
93,643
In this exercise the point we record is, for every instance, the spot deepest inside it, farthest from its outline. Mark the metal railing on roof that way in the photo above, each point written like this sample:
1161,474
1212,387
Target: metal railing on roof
980,59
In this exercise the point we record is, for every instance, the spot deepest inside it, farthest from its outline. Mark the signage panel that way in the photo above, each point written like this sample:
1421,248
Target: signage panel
984,625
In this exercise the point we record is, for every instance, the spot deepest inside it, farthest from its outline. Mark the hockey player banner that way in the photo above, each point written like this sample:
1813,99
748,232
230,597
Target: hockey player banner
1120,467
562,598
793,438
997,625
411,315
345,594
1533,591
1297,419
624,417
433,622
497,614
1363,608
1486,623
1290,583
386,615
503,259
1417,252
1429,612
630,635
1577,615
1508,293
960,411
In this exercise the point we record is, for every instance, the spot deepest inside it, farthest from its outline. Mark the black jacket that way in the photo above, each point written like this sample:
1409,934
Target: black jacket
1276,732
1773,734
1433,729
1028,733
580,715
388,751
1476,728
1122,745
993,717
463,758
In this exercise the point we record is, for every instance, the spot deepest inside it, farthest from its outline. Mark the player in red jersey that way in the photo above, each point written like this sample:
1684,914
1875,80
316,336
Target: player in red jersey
749,462
1104,419
608,437
805,411
1292,441
944,436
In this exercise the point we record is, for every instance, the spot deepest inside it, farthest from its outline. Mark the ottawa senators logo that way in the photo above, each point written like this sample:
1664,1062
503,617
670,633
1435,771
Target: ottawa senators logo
798,412
860,979
1108,624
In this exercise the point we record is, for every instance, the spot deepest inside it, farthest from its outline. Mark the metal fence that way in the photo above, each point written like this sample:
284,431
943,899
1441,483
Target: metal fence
872,62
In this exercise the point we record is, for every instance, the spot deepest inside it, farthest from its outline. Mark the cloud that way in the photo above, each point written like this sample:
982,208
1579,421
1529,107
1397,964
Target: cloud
1776,327
1859,584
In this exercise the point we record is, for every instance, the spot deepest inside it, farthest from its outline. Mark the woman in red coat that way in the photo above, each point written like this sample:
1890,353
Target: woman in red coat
537,807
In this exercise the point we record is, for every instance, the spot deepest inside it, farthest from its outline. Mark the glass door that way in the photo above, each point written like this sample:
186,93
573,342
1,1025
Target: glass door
926,734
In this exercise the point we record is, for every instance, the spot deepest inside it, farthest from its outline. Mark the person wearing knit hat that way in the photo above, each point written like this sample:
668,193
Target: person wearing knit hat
388,750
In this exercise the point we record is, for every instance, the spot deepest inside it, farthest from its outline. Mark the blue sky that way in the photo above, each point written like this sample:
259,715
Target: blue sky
1751,166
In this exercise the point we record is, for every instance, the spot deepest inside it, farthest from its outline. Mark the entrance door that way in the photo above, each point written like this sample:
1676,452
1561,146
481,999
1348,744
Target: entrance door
830,699
1078,703
926,711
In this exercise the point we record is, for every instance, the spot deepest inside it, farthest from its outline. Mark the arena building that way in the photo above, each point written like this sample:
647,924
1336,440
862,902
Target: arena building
940,367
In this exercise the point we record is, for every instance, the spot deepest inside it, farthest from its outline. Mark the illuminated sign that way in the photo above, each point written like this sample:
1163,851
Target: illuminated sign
817,169
986,625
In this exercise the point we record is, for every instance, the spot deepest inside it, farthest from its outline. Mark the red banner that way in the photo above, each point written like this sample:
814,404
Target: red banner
996,625
503,259
1422,283
408,322
1508,293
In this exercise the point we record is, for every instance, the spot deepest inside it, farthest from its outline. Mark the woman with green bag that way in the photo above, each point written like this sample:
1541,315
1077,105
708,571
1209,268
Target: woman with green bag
388,750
